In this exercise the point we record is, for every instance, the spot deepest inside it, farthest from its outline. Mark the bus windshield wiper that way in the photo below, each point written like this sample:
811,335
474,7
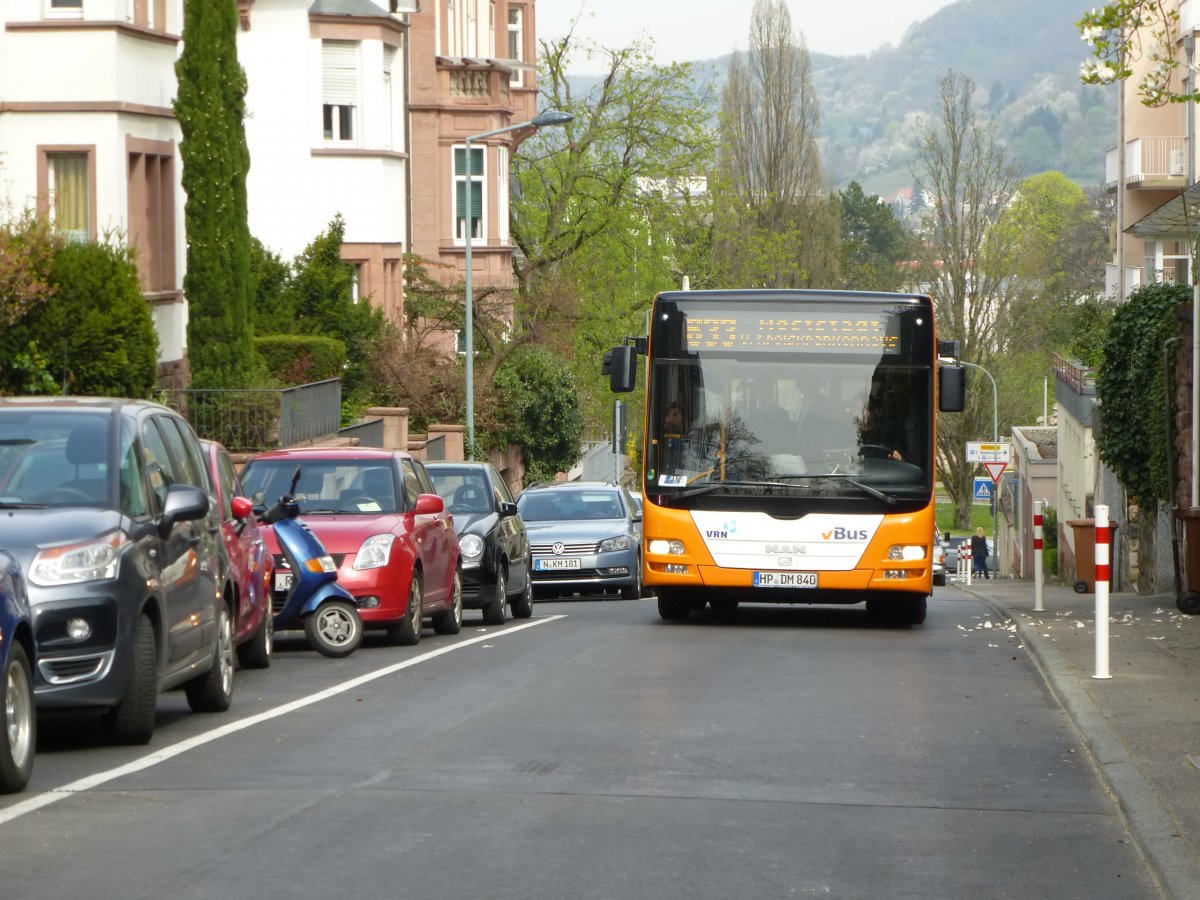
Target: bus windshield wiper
866,488
4,505
709,487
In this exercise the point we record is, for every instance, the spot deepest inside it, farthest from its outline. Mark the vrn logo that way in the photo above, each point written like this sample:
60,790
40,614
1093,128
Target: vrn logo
844,534
716,534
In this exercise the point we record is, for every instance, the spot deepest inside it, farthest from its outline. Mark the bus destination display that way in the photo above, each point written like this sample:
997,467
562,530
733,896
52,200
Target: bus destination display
812,332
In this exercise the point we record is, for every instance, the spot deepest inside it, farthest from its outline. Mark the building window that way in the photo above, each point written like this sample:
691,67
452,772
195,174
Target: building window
1168,262
68,191
152,212
468,184
389,99
64,8
516,42
502,194
339,73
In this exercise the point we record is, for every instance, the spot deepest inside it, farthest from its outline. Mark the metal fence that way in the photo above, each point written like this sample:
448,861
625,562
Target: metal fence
368,432
252,420
435,448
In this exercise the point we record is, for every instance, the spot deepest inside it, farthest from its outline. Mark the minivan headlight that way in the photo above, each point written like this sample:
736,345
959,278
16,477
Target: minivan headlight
96,560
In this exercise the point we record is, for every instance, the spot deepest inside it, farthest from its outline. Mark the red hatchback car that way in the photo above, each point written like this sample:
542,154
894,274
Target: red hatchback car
250,563
385,526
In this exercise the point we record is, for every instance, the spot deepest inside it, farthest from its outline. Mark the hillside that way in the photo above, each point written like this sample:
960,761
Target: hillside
1024,55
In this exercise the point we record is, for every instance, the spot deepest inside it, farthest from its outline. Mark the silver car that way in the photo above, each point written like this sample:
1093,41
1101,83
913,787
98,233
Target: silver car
585,537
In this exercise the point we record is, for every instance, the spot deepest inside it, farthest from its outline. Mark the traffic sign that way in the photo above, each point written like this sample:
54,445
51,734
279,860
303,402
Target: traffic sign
995,469
983,488
985,452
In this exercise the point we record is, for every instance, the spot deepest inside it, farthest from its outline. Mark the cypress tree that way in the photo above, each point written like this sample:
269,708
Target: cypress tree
210,106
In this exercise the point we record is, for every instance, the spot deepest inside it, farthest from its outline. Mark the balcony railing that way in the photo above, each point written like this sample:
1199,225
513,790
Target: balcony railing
1150,162
1073,373
1133,280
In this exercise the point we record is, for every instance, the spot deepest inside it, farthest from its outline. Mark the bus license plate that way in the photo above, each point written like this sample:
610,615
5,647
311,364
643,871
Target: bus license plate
785,579
283,582
552,565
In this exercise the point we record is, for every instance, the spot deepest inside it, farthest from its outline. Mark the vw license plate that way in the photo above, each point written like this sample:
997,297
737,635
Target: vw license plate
785,579
552,565
283,582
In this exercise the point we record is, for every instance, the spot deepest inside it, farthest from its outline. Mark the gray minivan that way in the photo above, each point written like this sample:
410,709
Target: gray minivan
105,504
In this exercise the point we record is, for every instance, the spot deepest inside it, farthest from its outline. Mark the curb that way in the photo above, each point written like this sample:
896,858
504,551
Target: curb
1154,832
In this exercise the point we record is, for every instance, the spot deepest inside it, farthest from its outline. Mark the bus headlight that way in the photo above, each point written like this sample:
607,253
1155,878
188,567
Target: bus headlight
907,552
662,547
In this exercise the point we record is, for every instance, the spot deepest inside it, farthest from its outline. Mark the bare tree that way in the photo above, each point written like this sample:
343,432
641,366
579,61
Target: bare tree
969,180
775,223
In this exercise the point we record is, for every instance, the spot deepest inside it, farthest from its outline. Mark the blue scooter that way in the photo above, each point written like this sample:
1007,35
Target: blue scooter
311,597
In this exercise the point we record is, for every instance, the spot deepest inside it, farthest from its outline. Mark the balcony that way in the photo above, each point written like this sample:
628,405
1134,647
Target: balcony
1133,280
1150,162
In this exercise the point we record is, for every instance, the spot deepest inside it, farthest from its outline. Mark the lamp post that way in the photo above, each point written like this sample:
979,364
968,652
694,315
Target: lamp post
550,117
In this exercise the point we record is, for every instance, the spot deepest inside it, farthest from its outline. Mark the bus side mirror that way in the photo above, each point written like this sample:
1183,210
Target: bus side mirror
620,365
952,388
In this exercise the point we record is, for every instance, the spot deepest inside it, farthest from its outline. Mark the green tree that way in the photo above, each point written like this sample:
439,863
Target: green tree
969,179
210,107
1121,32
775,225
320,296
538,412
873,243
270,301
96,338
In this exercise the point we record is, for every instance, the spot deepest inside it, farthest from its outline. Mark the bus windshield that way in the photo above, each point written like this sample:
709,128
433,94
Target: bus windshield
811,397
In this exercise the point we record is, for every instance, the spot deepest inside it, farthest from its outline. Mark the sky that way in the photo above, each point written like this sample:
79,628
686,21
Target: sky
702,29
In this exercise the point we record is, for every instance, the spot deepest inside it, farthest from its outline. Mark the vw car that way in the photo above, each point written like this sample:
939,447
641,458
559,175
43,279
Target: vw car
491,538
585,538
106,508
16,662
250,566
388,531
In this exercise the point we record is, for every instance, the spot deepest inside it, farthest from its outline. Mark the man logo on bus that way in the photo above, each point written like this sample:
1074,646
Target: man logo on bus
845,534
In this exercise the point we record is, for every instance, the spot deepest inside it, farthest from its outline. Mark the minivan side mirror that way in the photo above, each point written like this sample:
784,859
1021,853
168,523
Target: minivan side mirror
952,390
184,503
508,509
429,504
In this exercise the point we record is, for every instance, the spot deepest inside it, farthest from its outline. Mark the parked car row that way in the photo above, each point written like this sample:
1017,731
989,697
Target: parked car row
135,558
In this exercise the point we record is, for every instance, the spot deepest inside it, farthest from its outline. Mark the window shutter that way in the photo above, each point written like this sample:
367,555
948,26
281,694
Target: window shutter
339,65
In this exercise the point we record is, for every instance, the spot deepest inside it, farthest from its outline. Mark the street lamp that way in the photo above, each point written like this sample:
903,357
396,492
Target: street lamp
550,117
995,440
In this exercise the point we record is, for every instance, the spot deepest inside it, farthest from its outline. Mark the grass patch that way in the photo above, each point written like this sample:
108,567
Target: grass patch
981,517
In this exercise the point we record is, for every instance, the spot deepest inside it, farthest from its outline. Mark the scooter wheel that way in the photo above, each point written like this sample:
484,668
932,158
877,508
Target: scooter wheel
334,629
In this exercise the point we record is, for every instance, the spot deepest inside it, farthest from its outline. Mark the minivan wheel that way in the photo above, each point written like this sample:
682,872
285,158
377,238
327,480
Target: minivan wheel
522,606
131,721
213,691
20,723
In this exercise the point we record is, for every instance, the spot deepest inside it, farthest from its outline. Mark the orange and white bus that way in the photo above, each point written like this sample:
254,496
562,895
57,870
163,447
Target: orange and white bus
789,448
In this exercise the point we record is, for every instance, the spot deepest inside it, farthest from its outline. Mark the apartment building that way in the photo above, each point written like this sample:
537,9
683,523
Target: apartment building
91,140
327,128
472,71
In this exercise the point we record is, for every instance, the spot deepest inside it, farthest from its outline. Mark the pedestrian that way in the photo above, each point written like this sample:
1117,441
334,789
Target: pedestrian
979,555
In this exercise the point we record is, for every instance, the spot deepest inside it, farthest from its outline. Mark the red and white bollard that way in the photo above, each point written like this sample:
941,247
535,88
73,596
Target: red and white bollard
1103,574
1038,578
964,556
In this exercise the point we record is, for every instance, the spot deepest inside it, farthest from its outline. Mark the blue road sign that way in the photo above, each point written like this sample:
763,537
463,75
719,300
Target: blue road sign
983,488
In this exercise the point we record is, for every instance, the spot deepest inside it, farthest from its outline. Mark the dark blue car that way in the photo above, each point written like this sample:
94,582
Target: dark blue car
17,655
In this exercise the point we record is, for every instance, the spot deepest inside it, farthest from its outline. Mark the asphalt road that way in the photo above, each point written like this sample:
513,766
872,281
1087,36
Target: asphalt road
595,751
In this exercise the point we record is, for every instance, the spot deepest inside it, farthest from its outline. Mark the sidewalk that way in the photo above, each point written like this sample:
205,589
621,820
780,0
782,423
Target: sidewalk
1141,726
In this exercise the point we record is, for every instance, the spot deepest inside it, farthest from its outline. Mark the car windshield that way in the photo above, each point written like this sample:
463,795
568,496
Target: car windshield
54,458
465,491
569,506
326,486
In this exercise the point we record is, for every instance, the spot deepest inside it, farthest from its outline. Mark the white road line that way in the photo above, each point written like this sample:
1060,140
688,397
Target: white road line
153,759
